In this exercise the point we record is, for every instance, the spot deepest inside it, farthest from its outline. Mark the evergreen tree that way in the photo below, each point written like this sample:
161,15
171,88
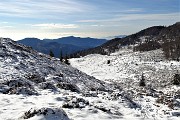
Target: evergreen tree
51,53
178,52
108,62
61,56
66,60
142,81
176,79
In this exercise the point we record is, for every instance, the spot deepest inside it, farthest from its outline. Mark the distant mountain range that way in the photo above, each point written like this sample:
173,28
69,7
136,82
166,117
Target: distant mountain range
67,45
148,39
78,41
117,36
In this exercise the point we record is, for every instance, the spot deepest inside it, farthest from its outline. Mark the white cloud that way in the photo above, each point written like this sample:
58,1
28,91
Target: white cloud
6,27
132,17
4,22
133,10
40,8
55,26
97,25
149,16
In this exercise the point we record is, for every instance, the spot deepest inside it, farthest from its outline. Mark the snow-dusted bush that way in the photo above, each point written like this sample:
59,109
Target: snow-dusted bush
47,113
34,77
90,94
107,109
22,90
75,103
59,75
47,85
163,99
17,83
17,87
68,86
176,79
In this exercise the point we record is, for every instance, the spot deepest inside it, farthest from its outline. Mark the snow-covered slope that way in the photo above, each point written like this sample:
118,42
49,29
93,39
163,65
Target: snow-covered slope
36,70
27,73
159,99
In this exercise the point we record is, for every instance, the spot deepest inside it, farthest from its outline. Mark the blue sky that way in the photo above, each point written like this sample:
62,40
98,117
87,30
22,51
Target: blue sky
84,18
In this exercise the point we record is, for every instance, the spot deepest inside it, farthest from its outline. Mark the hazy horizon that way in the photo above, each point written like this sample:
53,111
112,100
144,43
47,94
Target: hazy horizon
83,18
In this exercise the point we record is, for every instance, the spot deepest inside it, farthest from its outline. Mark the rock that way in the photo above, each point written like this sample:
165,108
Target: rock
177,114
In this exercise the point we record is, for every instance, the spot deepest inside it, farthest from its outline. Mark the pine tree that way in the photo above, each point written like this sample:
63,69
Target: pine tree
66,60
176,79
61,56
142,81
178,52
51,53
108,62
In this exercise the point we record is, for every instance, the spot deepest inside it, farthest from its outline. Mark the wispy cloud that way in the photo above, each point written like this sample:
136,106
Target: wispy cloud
133,17
8,26
4,22
134,10
55,26
5,25
40,8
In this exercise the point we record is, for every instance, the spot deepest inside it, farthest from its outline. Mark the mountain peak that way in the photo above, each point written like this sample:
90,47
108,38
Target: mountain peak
31,38
153,33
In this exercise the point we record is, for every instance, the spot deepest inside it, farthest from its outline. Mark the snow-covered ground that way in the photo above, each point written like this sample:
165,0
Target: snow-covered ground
126,68
126,64
14,106
37,87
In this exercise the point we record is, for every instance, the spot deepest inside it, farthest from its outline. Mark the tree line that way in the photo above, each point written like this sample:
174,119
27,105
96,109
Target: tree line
62,59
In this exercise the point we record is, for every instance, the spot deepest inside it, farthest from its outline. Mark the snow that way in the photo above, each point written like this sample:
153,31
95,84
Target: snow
25,75
29,84
126,68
